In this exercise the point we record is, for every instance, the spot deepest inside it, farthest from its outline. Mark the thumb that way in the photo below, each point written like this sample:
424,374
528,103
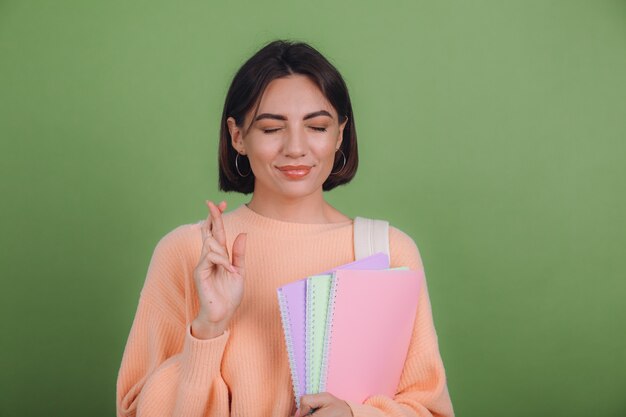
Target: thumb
239,249
309,403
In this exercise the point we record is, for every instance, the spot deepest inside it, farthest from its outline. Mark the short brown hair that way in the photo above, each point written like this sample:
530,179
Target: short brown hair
278,59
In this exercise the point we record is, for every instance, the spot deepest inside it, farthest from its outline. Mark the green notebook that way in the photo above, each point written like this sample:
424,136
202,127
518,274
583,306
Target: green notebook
317,294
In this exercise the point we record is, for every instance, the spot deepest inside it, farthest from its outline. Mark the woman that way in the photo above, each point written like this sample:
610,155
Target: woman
207,337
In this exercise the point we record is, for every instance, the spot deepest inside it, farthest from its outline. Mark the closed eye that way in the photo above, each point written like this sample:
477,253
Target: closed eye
318,129
271,130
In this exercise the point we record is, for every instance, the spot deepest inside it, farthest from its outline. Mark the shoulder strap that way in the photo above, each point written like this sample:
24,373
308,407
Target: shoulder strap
370,236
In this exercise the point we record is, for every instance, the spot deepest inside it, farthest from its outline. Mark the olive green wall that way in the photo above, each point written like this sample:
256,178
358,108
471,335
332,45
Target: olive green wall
492,132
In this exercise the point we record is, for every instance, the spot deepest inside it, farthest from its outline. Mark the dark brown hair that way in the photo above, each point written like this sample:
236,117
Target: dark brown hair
278,59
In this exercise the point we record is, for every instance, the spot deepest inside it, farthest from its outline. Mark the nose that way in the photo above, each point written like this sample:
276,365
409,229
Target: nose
295,143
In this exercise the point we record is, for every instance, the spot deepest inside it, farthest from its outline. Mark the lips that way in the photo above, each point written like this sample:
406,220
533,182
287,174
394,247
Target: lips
295,171
294,167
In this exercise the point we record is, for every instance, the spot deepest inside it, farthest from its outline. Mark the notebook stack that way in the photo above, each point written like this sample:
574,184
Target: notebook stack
347,330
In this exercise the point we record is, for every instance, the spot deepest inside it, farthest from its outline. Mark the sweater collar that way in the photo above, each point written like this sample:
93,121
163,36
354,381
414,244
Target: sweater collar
256,220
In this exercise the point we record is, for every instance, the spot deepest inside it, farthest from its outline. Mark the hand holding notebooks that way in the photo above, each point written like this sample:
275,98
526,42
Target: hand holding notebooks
292,302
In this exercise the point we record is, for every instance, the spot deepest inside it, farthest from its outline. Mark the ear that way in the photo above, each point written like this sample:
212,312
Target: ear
236,137
340,136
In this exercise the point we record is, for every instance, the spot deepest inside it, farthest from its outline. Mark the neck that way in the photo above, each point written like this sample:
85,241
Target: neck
307,209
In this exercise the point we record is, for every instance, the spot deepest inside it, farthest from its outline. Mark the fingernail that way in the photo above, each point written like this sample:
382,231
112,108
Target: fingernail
297,413
232,269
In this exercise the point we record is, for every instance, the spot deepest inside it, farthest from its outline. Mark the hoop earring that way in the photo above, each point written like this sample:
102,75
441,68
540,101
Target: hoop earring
237,167
344,163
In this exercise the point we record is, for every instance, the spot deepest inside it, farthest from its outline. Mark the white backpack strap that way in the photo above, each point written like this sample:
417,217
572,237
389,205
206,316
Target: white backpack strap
370,236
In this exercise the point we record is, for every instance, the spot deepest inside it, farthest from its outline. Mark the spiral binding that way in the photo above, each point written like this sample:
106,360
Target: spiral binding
310,334
284,316
329,331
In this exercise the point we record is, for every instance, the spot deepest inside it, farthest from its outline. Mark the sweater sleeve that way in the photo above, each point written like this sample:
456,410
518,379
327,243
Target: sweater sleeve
422,390
165,371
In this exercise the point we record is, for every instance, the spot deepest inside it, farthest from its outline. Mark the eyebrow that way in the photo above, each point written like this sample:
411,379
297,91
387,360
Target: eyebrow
281,117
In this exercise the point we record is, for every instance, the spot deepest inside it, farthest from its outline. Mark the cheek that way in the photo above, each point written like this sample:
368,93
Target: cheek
325,148
327,140
262,154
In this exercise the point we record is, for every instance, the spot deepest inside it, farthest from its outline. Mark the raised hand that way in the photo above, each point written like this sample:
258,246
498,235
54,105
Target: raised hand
219,283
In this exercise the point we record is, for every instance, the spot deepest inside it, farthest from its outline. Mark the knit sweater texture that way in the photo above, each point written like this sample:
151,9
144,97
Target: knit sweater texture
165,371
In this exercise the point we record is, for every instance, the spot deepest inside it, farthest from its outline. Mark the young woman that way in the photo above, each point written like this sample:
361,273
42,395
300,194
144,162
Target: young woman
207,337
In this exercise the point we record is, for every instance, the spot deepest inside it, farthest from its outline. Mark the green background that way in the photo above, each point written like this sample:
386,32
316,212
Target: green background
492,132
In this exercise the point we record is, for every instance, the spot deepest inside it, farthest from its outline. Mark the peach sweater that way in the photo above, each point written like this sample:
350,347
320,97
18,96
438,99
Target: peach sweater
165,371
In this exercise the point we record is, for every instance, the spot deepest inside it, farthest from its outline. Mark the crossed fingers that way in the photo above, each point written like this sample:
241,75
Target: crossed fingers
214,236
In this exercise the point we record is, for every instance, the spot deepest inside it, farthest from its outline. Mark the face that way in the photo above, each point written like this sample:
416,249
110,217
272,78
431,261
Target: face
291,142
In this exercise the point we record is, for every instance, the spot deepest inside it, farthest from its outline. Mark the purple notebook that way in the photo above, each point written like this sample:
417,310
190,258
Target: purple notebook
292,301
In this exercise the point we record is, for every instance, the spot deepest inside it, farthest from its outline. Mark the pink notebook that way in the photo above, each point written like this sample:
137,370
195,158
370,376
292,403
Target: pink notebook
369,326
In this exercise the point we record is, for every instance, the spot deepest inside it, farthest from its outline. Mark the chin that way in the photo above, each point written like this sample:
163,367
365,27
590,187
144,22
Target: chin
299,190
